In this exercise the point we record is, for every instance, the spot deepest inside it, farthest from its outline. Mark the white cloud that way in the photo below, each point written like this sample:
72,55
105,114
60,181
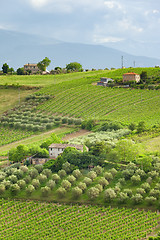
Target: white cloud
155,11
39,3
112,4
98,39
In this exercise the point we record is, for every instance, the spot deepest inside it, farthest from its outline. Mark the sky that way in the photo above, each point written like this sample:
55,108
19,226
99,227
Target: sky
129,25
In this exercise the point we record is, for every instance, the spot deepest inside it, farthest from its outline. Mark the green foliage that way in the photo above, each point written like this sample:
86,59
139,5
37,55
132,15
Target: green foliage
42,65
74,66
5,68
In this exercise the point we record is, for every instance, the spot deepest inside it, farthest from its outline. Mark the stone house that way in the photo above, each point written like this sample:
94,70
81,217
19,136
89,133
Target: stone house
31,67
57,148
131,77
104,81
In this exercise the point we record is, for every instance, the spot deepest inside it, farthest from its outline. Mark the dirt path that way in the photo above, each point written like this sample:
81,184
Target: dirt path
81,132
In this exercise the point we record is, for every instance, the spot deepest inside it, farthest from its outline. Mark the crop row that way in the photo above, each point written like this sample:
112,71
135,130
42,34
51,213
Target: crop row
35,220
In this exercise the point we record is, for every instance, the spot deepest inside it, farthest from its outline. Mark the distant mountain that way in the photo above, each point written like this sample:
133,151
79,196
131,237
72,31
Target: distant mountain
18,49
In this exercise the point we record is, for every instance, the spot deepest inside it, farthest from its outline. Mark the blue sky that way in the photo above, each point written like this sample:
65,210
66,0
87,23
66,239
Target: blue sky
130,25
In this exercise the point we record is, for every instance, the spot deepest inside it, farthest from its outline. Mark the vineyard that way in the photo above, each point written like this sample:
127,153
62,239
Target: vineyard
25,220
88,101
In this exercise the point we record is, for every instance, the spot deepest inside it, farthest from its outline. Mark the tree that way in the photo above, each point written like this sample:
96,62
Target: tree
42,65
11,70
18,154
143,76
20,71
109,194
5,68
93,192
74,66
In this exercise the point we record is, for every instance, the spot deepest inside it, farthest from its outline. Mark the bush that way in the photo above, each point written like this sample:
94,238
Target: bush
45,191
62,173
141,191
30,189
109,195
99,186
27,179
93,192
66,184
7,184
47,172
51,184
36,183
18,173
102,181
150,200
87,181
140,172
122,181
61,192
42,178
128,192
137,198
108,176
71,179
76,192
13,179
39,168
123,197
24,169
154,193
153,174
135,179
21,184
82,186
149,180
14,188
55,177
33,173
92,175
113,171
146,187
2,188
67,167
76,173
98,170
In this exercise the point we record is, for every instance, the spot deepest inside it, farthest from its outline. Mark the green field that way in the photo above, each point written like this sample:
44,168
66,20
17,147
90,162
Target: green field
25,220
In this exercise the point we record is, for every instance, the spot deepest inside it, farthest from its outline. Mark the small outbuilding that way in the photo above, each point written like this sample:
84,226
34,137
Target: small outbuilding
104,81
57,148
131,76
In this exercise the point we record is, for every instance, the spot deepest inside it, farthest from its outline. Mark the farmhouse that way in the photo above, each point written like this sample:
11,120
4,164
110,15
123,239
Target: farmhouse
55,149
131,77
31,67
104,81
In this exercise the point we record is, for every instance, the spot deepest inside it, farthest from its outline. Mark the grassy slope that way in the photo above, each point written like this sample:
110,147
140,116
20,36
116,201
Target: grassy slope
10,97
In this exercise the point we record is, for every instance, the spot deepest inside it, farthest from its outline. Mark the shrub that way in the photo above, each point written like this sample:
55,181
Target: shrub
18,173
149,180
154,193
51,184
99,186
70,121
146,187
93,192
47,172
103,181
98,170
140,172
153,174
150,200
71,179
2,177
109,195
27,179
30,189
33,173
113,171
141,191
76,173
76,192
14,188
62,173
108,176
64,120
87,181
13,179
21,183
123,197
135,179
137,198
55,177
66,184
39,168
45,191
127,173
2,188
122,181
92,175
61,192
67,167
6,183
82,186
36,183
42,178
24,169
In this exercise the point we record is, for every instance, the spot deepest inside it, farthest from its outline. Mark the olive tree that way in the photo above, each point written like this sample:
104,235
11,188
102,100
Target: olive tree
93,192
76,192
109,195
66,184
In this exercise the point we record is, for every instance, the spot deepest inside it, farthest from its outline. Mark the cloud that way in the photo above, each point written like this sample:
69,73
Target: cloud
101,39
112,4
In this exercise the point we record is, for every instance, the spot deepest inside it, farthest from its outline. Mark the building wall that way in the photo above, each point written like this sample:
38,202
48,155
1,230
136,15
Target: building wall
32,67
131,77
54,152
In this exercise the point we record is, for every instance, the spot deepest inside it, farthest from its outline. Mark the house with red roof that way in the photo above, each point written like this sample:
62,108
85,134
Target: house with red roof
131,76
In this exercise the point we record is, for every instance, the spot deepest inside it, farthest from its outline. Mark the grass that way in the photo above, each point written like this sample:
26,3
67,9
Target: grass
37,139
11,97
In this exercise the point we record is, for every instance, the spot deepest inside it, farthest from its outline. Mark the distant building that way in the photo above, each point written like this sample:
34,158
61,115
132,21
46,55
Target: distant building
31,67
131,77
56,148
104,81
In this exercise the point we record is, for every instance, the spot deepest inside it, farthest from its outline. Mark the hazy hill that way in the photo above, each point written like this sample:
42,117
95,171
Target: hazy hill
18,49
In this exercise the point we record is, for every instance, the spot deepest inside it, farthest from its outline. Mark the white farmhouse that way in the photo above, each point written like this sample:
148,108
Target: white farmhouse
57,148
